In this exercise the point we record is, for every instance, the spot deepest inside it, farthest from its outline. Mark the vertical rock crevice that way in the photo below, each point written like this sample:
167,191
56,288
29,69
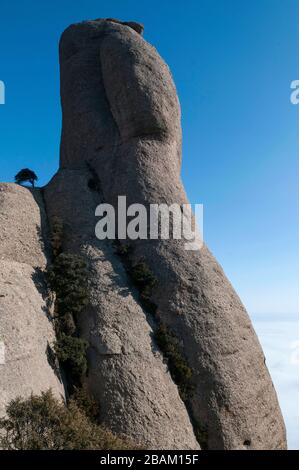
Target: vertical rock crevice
126,375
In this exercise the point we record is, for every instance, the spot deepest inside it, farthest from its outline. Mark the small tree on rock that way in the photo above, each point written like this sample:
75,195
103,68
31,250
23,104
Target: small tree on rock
26,175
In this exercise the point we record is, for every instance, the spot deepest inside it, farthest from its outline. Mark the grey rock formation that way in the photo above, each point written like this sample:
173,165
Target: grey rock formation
121,117
26,331
121,135
126,371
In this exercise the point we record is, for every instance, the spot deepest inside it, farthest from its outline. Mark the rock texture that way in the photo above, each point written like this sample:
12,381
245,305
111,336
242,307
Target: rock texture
121,117
26,331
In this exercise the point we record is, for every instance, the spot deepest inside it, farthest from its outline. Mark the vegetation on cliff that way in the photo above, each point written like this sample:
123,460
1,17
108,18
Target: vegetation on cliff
44,423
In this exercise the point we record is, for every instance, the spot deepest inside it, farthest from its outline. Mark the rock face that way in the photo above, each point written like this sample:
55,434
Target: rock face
26,331
126,371
121,120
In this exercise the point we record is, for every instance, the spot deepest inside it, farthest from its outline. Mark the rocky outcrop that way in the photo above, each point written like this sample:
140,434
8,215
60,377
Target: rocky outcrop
26,331
126,374
121,117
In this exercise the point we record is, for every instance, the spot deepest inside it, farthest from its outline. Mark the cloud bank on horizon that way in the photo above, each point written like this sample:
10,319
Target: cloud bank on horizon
279,336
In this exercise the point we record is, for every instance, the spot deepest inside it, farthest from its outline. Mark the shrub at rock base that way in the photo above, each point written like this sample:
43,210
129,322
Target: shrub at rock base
44,423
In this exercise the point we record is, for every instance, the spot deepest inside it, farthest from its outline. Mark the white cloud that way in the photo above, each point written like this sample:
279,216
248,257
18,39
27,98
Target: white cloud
279,336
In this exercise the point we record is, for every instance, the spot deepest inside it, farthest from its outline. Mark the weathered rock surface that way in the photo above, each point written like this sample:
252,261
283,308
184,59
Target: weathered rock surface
121,116
26,331
126,371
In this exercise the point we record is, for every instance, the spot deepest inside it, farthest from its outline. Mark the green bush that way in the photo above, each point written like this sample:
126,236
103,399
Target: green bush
44,423
56,235
66,324
144,279
180,371
201,435
68,277
86,403
71,353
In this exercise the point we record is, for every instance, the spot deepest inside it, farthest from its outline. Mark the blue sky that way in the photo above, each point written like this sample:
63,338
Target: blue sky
232,62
